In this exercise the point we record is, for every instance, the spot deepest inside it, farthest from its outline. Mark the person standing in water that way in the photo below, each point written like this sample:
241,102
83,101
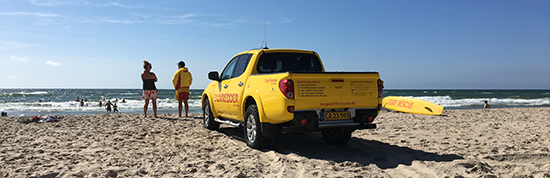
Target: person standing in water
182,80
150,91
108,106
486,104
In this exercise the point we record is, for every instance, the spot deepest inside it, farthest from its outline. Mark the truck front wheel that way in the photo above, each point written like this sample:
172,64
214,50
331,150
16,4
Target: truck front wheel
208,118
336,136
252,129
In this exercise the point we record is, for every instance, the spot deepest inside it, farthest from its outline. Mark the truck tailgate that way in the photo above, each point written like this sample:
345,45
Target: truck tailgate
336,90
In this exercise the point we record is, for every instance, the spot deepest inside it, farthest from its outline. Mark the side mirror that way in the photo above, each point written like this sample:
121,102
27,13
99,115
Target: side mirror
214,75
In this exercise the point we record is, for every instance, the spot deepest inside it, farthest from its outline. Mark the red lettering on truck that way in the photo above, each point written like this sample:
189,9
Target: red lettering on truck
227,98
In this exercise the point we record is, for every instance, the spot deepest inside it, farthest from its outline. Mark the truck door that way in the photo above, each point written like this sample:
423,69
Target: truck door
232,87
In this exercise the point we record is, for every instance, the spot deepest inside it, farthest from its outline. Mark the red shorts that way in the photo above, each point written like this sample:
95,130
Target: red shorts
150,94
182,96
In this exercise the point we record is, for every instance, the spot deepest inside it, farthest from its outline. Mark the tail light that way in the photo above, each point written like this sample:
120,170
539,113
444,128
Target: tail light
370,119
380,88
290,109
303,121
287,87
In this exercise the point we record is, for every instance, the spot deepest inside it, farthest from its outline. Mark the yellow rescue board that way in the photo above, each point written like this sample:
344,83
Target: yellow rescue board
411,105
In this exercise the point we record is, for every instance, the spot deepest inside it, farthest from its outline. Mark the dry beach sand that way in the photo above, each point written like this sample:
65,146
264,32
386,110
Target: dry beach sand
511,142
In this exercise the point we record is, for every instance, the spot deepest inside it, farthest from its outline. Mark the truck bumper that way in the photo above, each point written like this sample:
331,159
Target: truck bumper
313,123
349,126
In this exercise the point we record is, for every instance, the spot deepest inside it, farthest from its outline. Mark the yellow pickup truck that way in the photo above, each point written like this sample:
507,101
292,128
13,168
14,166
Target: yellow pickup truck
279,91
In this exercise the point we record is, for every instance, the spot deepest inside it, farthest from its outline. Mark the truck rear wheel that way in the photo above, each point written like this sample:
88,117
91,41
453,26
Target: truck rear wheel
208,118
252,129
336,136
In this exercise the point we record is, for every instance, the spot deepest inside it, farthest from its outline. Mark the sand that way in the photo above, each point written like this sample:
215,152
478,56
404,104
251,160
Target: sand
511,142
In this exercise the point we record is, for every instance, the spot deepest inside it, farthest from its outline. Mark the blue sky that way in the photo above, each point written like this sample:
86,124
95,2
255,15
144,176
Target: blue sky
413,44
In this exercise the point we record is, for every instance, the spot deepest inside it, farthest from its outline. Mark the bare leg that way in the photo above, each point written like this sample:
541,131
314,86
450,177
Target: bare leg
180,107
186,108
154,106
145,106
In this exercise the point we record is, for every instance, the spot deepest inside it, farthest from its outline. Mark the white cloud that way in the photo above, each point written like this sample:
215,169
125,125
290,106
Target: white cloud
38,14
43,18
177,19
10,44
52,63
143,16
51,3
284,20
48,22
121,21
117,4
20,58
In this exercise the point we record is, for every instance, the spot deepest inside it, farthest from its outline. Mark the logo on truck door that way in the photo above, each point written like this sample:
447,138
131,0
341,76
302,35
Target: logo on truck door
271,80
227,98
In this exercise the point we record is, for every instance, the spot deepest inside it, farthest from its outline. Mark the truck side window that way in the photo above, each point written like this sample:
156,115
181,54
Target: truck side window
236,67
228,71
241,64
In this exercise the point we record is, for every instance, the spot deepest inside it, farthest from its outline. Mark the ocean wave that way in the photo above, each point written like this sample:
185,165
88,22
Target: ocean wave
92,107
448,101
23,93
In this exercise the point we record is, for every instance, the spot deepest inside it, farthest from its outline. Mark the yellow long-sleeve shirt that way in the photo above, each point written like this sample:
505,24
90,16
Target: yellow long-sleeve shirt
182,80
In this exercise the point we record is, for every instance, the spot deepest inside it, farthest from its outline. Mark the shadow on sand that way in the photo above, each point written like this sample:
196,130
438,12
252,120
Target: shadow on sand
359,150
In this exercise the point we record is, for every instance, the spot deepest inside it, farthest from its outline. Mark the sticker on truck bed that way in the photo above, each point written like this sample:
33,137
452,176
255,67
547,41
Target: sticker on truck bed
361,88
310,89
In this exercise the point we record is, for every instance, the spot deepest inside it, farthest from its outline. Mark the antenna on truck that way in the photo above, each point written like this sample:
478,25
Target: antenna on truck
264,43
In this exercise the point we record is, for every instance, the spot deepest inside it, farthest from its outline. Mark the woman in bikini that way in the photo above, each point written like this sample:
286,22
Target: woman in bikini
149,89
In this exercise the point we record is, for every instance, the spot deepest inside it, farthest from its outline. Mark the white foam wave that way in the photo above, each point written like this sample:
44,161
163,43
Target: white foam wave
26,93
448,101
130,106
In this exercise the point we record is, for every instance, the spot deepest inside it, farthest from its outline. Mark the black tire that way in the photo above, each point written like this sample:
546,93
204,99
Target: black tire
208,118
336,136
252,129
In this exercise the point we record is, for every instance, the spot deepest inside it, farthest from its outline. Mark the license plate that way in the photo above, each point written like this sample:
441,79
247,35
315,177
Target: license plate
336,115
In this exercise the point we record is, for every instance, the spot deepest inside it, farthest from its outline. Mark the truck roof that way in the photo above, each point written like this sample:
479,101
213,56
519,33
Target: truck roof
282,50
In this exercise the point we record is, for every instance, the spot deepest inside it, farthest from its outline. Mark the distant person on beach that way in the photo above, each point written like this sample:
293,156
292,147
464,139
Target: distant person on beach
150,91
4,114
100,104
77,99
486,105
81,102
115,108
108,106
182,80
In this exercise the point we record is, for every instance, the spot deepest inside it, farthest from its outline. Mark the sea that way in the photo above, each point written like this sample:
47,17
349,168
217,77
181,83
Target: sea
32,102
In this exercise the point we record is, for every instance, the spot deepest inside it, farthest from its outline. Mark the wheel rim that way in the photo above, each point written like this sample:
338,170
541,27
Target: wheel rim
251,128
206,113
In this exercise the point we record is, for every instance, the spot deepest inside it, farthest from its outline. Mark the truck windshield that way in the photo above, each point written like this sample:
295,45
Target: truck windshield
288,62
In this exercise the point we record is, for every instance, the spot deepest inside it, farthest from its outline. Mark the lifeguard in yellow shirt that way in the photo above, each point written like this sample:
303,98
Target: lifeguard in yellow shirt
182,80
